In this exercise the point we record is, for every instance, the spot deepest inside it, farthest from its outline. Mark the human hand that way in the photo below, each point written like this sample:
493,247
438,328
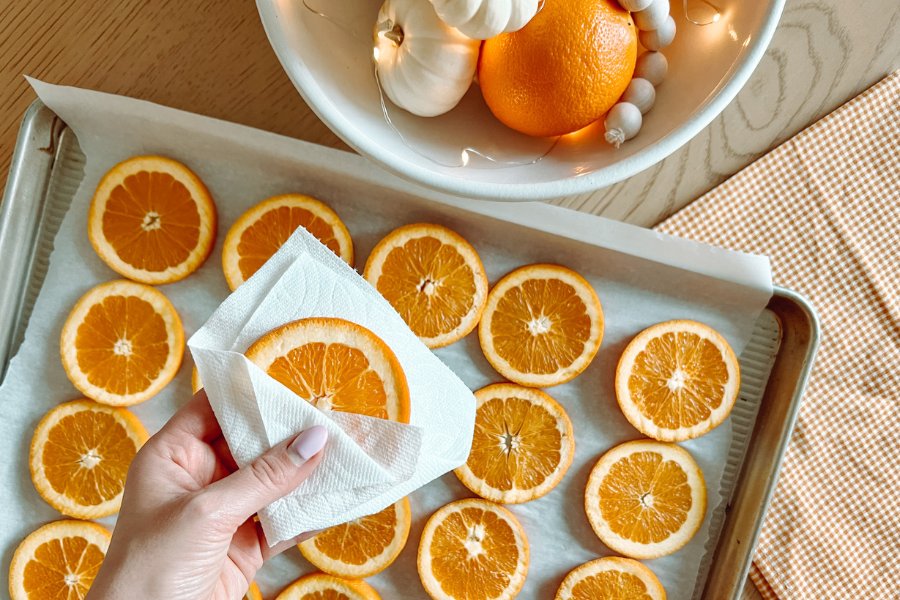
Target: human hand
186,528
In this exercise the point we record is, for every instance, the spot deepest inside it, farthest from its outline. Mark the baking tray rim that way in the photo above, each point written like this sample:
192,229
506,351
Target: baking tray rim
38,117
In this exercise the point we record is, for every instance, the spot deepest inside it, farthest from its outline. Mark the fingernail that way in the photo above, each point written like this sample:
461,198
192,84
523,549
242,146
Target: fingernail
310,442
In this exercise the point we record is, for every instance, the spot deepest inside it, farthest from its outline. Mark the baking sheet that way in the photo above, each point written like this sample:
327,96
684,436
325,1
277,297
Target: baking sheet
641,278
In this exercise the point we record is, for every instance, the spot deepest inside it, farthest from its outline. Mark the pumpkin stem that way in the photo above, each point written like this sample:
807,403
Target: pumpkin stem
390,30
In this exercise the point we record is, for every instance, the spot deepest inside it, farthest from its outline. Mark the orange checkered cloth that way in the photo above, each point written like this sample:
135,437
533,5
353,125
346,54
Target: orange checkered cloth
825,206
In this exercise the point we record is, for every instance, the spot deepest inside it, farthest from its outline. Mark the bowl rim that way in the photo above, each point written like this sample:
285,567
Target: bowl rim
338,123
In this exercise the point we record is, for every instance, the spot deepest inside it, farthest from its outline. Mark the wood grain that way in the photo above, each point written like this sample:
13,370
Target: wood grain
205,56
212,57
824,53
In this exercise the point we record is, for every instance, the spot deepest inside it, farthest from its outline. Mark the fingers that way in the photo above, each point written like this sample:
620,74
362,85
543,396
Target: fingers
220,447
250,549
271,476
270,551
196,419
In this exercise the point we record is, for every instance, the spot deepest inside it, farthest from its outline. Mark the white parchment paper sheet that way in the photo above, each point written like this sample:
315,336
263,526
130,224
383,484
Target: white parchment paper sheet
641,278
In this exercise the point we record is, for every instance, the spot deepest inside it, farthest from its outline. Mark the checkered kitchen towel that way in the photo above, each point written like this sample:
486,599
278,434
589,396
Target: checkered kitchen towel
825,206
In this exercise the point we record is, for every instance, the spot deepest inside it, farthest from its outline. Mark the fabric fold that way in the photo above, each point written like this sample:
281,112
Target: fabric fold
824,206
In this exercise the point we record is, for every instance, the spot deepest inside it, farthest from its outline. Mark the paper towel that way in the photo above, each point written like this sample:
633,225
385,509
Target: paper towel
369,463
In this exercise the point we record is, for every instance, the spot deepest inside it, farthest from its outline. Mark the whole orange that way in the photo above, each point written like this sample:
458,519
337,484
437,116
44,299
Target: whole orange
563,70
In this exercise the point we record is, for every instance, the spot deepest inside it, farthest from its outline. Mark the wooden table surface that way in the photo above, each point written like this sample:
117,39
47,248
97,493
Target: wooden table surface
212,57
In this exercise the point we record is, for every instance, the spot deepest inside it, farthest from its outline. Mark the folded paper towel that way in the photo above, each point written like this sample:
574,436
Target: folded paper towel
369,463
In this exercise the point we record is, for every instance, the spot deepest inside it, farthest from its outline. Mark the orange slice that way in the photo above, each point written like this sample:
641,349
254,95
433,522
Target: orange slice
196,384
253,593
362,547
321,586
645,499
335,365
58,561
677,380
80,455
611,578
473,550
542,325
122,343
152,220
522,447
433,278
258,234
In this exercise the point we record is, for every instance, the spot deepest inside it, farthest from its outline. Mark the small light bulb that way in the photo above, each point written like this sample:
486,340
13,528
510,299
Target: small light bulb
465,157
710,5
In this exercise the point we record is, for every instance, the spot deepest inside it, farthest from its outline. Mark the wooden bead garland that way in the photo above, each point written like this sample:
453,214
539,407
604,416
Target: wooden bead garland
656,31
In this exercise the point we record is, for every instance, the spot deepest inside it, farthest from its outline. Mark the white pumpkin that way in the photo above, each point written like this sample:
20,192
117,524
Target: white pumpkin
424,65
483,19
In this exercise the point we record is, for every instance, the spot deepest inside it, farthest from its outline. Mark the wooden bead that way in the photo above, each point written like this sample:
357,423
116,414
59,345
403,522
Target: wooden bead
651,66
623,121
660,38
635,5
640,92
653,16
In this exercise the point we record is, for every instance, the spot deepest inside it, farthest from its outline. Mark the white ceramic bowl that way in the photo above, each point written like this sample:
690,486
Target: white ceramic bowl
329,59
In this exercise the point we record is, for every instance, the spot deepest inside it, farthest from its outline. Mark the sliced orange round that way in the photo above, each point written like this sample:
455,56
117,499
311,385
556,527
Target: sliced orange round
362,547
542,325
611,578
522,447
253,593
473,549
677,380
321,586
80,455
152,220
645,499
58,561
433,278
335,365
122,343
258,234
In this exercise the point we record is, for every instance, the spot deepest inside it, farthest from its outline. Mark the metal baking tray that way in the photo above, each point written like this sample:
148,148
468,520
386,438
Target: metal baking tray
48,163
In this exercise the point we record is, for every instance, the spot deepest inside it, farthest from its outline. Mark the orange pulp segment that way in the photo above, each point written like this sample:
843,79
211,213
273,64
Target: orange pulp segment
522,446
611,578
196,384
58,561
122,343
362,547
433,278
335,365
677,380
473,550
258,234
152,220
645,499
253,592
542,325
80,454
322,586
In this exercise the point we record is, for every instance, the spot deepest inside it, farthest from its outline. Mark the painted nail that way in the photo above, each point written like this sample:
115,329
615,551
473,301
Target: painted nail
310,442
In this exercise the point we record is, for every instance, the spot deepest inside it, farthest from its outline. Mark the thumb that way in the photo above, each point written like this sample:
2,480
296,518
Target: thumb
273,475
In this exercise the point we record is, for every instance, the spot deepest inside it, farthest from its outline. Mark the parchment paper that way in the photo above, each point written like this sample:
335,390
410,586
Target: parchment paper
641,278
